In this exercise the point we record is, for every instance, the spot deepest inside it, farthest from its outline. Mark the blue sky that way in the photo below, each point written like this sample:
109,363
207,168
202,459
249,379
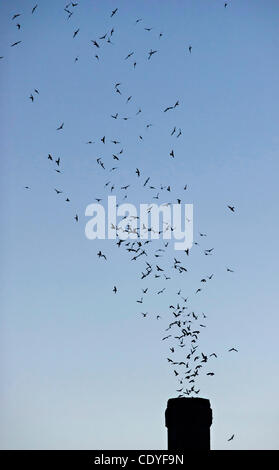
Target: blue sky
81,368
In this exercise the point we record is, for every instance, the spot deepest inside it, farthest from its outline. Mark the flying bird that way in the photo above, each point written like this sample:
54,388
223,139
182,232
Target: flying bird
151,52
15,43
101,255
127,57
113,12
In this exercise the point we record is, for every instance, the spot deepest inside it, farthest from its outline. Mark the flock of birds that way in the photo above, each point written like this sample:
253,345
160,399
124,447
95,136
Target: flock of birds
182,333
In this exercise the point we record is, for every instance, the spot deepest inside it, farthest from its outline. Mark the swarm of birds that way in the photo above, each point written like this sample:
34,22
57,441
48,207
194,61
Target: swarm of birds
183,325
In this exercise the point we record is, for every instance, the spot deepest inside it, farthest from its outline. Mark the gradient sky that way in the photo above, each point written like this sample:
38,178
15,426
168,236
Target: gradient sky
80,367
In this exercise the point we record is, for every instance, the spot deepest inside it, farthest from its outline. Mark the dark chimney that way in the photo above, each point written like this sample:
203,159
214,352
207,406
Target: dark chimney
188,421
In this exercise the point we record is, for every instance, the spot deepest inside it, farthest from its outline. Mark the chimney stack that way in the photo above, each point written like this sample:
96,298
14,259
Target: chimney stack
188,421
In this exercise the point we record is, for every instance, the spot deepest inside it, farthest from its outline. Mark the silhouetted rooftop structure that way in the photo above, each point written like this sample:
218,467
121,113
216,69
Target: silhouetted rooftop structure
188,421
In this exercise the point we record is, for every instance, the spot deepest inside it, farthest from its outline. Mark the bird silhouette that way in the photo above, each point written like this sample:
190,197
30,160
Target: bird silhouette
150,53
15,43
113,12
101,255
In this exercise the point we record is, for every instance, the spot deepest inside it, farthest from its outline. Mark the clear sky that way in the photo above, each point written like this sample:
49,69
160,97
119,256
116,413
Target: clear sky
81,368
